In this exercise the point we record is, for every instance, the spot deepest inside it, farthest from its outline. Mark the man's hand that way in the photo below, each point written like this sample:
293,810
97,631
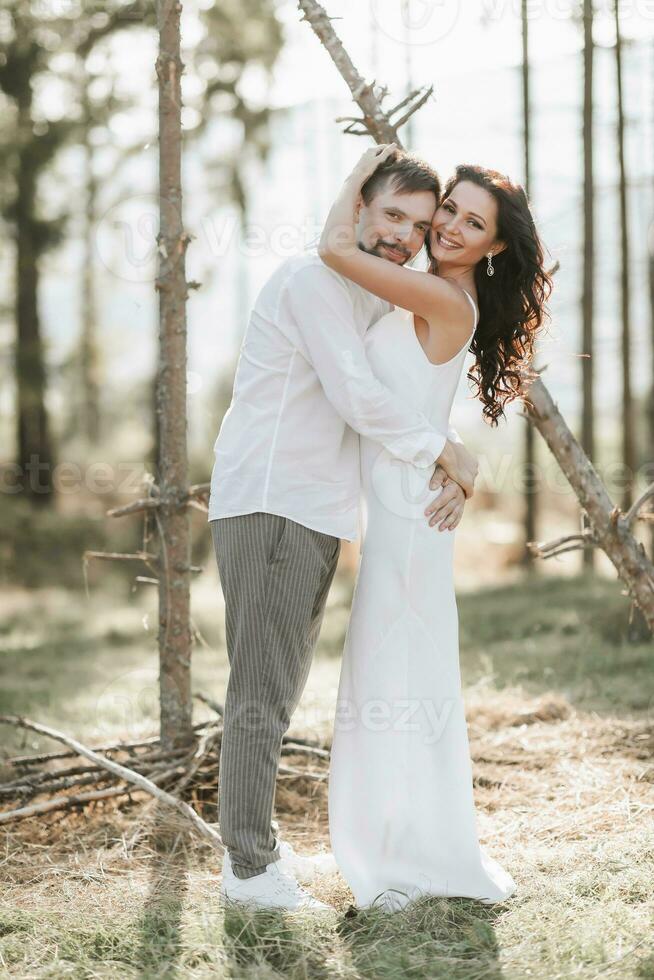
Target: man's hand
448,506
460,465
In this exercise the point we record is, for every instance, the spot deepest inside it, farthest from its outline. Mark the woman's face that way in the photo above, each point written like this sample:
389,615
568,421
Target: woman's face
464,227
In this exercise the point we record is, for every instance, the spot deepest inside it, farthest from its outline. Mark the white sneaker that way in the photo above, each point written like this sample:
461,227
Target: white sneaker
304,867
273,888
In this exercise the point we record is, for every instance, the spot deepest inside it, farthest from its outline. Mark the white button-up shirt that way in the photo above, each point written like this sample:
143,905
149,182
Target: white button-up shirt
303,389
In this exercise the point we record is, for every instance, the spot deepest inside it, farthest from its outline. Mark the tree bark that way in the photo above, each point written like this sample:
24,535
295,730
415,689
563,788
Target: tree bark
34,447
610,528
650,406
172,515
588,284
88,354
628,420
530,483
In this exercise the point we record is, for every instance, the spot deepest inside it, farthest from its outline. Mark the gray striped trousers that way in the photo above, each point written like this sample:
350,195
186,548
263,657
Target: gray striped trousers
275,575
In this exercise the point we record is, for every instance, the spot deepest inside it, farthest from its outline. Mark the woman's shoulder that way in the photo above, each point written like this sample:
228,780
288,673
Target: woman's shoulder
455,314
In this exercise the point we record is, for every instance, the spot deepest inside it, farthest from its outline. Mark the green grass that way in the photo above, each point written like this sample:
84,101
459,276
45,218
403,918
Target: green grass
565,635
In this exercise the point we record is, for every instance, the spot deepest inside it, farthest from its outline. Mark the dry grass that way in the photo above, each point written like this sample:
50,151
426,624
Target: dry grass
563,763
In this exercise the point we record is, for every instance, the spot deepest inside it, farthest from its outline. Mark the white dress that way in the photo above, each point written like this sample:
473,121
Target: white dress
401,810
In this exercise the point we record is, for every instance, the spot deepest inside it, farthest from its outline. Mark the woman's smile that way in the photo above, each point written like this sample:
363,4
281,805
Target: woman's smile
446,242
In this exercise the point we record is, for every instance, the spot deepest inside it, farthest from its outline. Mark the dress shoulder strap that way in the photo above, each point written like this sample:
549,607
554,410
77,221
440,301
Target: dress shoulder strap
474,307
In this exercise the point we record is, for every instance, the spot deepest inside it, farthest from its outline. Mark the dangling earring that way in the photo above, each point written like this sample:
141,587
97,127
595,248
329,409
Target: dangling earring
490,271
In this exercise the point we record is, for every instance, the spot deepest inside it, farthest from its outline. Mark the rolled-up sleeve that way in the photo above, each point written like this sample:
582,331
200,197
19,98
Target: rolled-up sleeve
316,314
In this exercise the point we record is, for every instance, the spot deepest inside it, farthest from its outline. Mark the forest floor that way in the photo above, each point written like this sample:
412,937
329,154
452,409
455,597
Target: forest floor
561,724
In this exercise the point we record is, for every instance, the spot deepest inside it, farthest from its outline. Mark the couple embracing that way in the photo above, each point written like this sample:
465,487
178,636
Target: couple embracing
340,410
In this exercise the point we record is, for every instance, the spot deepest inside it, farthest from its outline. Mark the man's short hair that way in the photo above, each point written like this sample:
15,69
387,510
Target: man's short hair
406,173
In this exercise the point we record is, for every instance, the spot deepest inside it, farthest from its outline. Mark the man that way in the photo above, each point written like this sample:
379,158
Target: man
284,491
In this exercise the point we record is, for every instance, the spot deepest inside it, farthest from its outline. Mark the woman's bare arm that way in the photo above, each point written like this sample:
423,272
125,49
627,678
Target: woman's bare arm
430,296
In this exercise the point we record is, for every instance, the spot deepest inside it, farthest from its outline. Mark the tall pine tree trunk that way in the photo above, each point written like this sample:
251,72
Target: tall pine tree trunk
588,279
408,66
172,476
650,406
34,449
88,354
530,482
628,419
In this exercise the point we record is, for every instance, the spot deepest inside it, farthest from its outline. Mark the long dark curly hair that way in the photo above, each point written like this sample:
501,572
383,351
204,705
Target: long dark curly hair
512,303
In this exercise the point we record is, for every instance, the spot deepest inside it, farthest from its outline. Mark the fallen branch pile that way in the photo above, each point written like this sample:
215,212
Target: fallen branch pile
184,778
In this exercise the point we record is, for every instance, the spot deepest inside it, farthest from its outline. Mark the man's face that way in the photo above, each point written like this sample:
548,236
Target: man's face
393,226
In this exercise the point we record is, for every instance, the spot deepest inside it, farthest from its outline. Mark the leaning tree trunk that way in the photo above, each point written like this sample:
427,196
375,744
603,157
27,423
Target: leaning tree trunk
174,558
609,528
628,421
530,483
588,285
34,449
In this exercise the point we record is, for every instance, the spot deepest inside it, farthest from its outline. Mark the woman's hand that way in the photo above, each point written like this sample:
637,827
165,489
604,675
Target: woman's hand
370,160
447,507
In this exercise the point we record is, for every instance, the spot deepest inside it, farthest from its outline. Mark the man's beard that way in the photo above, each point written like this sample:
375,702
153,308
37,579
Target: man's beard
377,249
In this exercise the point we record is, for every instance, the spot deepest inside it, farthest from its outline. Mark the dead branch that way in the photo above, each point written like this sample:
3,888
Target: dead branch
210,703
299,774
178,766
418,97
145,503
549,549
54,782
142,782
609,526
118,556
293,748
198,490
418,104
633,514
32,760
70,801
208,743
197,505
375,121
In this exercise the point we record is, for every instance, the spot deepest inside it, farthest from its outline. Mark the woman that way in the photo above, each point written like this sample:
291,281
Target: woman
401,808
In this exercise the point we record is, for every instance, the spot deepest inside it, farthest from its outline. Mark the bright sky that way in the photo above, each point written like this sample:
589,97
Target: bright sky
441,37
